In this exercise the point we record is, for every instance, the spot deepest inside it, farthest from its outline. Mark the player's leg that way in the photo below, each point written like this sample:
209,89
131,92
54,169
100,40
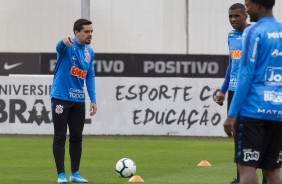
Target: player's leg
237,138
272,157
263,178
229,99
76,125
60,119
273,176
248,175
250,148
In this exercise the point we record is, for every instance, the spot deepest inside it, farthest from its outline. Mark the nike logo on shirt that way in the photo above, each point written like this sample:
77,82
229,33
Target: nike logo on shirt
9,67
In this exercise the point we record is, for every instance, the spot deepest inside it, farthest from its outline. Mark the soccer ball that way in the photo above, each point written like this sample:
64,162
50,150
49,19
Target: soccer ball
125,167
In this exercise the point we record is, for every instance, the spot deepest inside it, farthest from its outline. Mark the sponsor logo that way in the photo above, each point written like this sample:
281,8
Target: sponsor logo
137,65
276,53
274,35
17,109
78,72
77,93
9,67
273,76
115,66
170,67
52,65
39,112
273,96
235,54
278,113
233,82
59,109
251,155
27,104
279,159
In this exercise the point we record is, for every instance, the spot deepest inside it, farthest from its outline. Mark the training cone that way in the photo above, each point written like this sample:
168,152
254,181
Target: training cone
136,179
204,163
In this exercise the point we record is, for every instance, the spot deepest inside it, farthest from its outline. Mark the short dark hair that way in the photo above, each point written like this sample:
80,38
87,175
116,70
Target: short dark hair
78,25
268,4
238,6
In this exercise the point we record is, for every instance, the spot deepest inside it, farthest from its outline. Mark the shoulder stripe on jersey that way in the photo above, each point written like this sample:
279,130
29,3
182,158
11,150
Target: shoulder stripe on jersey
248,49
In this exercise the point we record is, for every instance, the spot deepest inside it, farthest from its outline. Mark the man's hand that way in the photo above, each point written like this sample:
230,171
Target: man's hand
93,109
219,98
67,41
229,126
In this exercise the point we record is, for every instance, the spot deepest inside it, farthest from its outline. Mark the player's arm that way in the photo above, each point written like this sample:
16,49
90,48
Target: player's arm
220,97
91,87
62,44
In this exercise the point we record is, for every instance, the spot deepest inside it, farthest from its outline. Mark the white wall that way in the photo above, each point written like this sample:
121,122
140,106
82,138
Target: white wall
139,26
35,25
120,26
209,25
123,109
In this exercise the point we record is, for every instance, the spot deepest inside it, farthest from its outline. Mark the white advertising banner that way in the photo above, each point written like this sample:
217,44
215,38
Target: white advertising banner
126,106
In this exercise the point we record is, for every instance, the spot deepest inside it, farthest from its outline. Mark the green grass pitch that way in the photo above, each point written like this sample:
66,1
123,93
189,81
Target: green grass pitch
159,159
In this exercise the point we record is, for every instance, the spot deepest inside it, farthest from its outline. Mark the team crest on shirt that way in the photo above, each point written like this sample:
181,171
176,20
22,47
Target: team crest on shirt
59,109
87,57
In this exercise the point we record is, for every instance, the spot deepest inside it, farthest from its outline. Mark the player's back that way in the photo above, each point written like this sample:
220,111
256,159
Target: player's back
262,63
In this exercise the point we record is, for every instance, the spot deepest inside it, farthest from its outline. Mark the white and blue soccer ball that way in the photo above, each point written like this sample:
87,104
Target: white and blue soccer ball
125,167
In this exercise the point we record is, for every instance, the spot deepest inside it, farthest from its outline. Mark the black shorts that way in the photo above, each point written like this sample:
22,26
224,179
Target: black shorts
259,143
